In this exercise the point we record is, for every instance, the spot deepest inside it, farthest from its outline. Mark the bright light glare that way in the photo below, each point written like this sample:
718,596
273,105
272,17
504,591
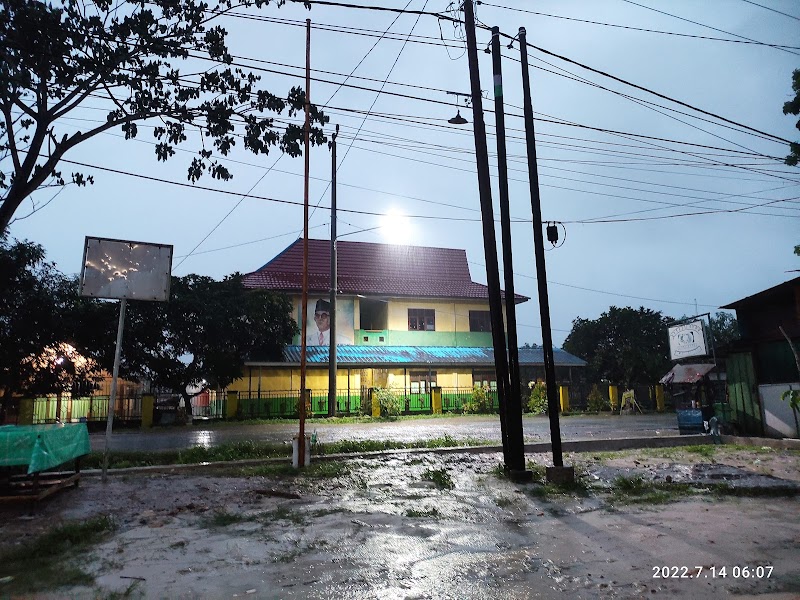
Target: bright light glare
396,228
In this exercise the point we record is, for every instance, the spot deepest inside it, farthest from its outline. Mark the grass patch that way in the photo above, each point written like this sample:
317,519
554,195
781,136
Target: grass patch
41,565
504,501
223,518
539,471
637,490
422,513
316,470
248,450
360,446
440,477
284,514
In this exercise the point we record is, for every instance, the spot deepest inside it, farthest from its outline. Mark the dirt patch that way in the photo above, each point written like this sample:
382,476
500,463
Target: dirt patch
426,526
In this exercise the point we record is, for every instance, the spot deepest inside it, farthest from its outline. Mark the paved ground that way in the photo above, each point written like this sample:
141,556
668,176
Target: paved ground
536,429
430,526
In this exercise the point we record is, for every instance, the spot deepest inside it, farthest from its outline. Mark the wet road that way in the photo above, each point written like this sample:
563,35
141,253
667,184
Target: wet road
484,427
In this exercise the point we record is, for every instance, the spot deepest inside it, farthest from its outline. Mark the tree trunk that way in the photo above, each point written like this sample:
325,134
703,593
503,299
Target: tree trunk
187,402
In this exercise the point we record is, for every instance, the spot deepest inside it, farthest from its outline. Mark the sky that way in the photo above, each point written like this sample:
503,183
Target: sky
681,228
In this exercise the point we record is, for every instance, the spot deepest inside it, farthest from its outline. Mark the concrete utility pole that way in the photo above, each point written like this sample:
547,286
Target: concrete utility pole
513,416
334,286
301,442
557,473
489,239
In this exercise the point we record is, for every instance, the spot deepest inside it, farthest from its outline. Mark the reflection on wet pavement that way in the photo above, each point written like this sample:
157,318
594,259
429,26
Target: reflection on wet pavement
536,429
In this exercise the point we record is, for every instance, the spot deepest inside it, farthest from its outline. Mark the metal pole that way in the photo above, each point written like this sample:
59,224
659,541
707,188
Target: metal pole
112,399
541,273
513,411
301,443
334,277
487,218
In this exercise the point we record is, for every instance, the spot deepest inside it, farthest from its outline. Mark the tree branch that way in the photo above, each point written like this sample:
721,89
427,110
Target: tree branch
12,143
57,112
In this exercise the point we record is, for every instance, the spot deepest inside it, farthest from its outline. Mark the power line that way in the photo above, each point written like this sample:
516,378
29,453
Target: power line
706,26
673,33
564,58
772,9
347,210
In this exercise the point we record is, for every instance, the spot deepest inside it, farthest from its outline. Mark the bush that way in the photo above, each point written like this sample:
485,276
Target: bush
390,402
597,401
537,402
480,401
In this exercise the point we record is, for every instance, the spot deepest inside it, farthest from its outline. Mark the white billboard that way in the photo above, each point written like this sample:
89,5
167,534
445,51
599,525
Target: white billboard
687,340
123,269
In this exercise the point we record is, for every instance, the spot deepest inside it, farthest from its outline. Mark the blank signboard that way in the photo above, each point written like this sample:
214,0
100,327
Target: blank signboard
125,269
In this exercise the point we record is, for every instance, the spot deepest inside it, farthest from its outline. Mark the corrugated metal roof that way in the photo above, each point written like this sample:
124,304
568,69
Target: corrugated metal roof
787,288
372,356
686,373
373,269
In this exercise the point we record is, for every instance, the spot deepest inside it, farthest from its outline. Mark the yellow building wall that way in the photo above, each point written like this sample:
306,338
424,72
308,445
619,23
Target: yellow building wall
271,379
450,315
401,378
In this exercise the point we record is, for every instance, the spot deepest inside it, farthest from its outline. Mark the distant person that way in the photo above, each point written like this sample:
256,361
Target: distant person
322,320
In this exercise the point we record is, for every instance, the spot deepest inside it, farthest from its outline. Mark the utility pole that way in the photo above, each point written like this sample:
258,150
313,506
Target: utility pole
301,442
557,473
489,239
334,277
513,414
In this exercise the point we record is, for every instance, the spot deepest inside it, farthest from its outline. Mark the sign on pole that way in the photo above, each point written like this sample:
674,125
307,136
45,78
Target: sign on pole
687,340
128,270
123,270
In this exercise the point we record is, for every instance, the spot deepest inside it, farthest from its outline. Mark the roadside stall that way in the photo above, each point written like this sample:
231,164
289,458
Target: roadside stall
692,395
29,452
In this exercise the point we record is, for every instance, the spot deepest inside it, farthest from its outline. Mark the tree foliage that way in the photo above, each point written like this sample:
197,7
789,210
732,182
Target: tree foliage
52,340
161,61
724,328
792,107
202,336
624,345
35,305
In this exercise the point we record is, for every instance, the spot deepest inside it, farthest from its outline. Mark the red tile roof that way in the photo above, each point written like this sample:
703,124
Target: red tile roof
373,269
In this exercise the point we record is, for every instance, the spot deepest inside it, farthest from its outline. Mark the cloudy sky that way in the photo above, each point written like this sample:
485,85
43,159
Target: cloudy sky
661,206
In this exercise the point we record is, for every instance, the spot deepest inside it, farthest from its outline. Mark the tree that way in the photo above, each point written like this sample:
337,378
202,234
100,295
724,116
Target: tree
724,328
132,57
40,352
792,107
624,345
201,338
34,295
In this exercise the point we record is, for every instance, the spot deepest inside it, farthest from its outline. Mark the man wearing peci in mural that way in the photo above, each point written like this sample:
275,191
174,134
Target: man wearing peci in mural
321,334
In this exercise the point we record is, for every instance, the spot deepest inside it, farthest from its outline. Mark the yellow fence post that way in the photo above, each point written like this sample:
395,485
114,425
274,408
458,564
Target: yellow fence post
660,398
613,397
232,406
376,404
25,415
148,404
436,400
563,396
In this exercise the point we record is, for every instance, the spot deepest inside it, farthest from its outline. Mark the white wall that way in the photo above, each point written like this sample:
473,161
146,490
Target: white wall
778,417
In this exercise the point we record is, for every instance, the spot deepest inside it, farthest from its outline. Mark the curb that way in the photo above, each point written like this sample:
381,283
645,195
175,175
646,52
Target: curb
572,446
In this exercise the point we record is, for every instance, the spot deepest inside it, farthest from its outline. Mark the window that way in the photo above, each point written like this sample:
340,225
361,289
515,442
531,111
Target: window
422,381
480,320
373,314
421,319
485,379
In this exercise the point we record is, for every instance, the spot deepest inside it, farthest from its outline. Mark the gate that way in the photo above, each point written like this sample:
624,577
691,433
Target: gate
743,395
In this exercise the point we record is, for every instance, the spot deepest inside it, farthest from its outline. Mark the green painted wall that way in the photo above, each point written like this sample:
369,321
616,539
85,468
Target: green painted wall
424,338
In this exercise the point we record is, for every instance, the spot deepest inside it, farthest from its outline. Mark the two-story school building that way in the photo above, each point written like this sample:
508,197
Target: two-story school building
407,317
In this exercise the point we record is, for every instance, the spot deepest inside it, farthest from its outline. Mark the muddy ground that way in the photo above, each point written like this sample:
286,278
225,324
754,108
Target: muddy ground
426,525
